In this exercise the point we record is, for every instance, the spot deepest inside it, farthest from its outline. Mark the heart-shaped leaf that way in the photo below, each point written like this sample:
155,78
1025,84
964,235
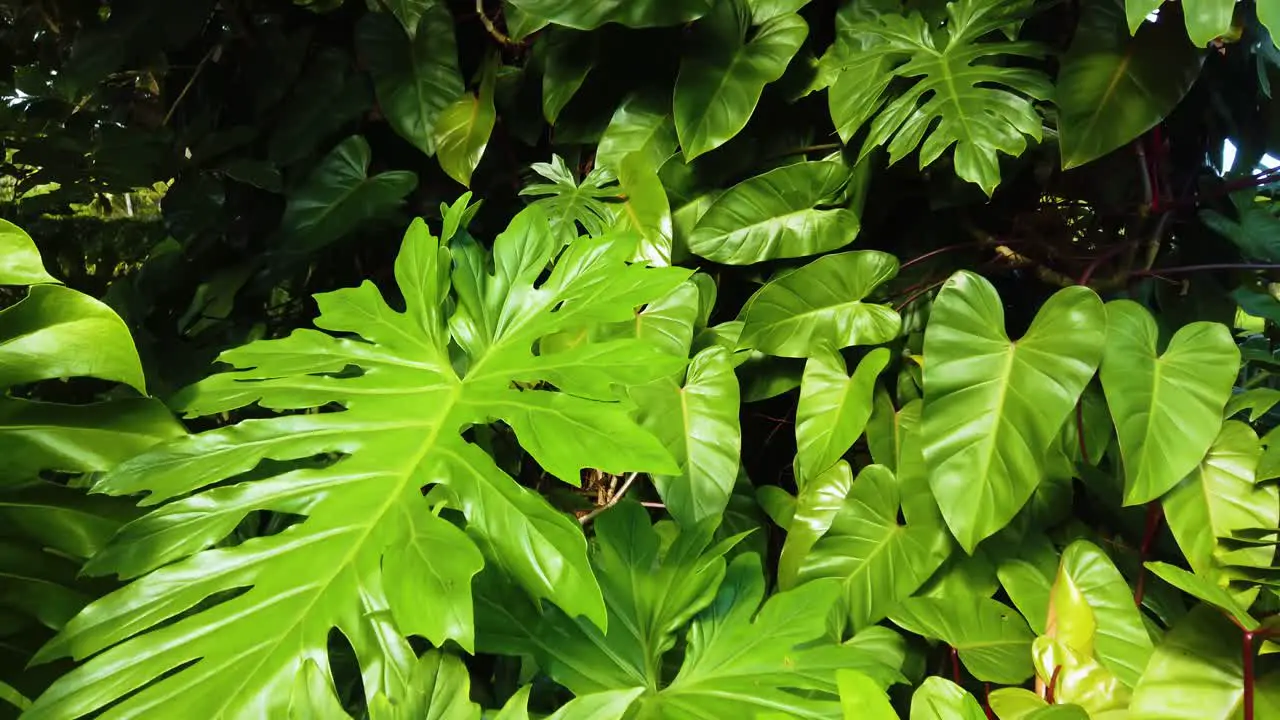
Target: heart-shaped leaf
833,409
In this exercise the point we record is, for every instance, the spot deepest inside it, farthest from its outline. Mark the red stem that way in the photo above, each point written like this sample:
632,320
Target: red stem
1084,451
1248,675
913,296
1155,513
955,665
1053,683
986,701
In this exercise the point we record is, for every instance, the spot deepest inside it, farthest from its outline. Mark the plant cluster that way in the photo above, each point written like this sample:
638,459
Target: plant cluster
805,359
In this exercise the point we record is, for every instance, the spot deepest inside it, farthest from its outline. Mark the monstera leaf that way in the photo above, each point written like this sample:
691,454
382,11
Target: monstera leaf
723,73
982,107
992,406
1167,407
371,557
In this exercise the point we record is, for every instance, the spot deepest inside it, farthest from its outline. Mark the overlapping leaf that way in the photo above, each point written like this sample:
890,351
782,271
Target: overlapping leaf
632,13
992,639
957,94
400,404
992,406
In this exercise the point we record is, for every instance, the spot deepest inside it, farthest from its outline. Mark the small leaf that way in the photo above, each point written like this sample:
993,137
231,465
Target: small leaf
1207,20
463,129
941,699
1167,407
862,698
1204,589
816,507
722,74
570,55
1258,401
992,639
609,705
833,409
821,304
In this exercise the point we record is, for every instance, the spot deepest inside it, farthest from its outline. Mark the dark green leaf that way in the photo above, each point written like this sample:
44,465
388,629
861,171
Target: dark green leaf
631,13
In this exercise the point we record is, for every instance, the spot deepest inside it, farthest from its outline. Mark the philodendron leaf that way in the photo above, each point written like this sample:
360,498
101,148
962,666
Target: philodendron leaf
642,124
438,688
1206,590
20,262
646,209
992,406
1167,407
567,201
1255,229
570,56
833,409
1089,585
1207,20
339,196
1015,703
992,639
408,12
463,128
1113,88
941,699
698,423
631,13
387,431
816,507
1220,497
862,698
1195,674
415,75
1258,401
878,561
608,705
723,73
822,304
776,215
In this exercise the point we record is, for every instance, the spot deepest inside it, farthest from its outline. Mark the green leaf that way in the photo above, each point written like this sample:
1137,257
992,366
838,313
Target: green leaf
1167,407
953,92
1137,11
878,561
941,699
631,13
20,262
822,304
1255,229
394,427
1015,703
698,424
463,128
55,332
610,705
409,12
566,200
1269,15
330,94
1120,641
1258,401
762,10
833,409
10,695
862,698
642,124
775,216
438,688
1028,588
415,73
646,209
722,73
339,197
1195,674
993,640
1204,589
818,504
1062,712
992,406
570,55
517,707
1218,498
1113,88
1207,20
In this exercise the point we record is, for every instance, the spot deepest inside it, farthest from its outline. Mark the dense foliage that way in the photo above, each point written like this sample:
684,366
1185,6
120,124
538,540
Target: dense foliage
804,359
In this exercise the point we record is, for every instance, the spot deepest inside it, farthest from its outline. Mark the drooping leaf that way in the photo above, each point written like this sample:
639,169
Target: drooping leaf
822,304
1220,497
570,56
463,128
1113,88
775,216
646,209
1196,672
415,73
723,73
817,505
328,570
983,108
642,124
1167,407
20,262
1082,680
992,405
1207,19
992,639
878,561
698,424
833,409
940,699
631,13
1117,637
1204,589
339,196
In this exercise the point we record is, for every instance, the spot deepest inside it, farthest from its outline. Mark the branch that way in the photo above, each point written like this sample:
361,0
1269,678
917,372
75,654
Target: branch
626,485
492,29
186,88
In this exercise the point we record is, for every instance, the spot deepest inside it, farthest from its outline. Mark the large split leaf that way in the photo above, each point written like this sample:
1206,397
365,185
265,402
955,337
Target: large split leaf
1113,88
415,74
992,406
1167,407
992,639
397,402
833,410
1089,585
723,73
822,305
631,13
955,93
1218,498
878,561
567,201
698,423
776,215
339,196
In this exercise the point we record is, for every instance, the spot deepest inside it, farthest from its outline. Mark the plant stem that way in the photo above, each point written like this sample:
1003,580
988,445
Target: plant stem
1248,674
1084,451
955,665
1155,513
912,298
492,29
622,491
